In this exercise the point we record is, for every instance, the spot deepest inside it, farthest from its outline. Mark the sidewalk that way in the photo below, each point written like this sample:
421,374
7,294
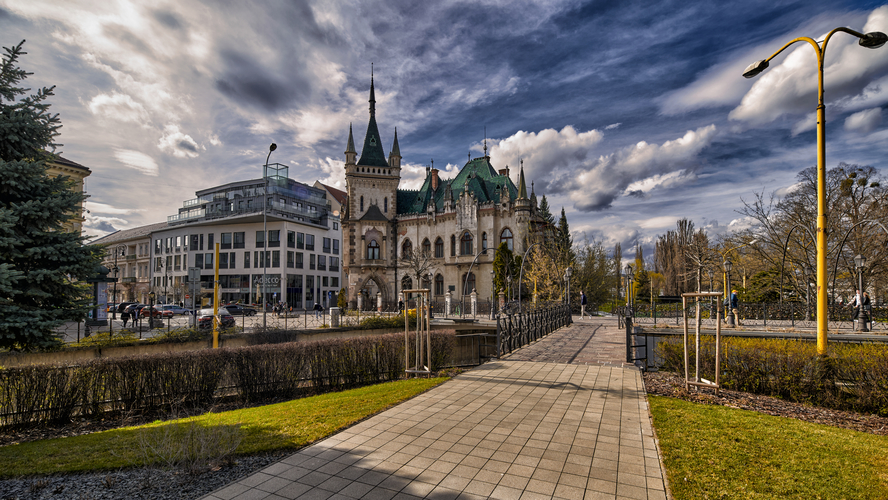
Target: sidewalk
561,418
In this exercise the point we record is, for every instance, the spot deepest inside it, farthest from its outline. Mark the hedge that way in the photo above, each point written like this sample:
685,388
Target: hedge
850,377
41,394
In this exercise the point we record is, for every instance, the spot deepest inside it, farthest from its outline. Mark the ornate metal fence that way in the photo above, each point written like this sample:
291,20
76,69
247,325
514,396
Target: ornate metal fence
514,331
763,314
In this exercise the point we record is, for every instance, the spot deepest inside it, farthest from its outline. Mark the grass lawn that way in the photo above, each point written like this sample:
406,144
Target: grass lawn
719,452
288,425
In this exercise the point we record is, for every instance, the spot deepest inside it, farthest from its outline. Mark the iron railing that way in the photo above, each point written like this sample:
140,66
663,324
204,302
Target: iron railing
514,331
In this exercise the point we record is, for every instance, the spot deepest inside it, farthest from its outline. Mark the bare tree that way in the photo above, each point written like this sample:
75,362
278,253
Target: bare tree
417,262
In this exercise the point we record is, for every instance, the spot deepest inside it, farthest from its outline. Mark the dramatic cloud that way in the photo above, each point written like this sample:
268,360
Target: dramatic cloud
545,152
119,107
864,121
137,160
609,176
177,143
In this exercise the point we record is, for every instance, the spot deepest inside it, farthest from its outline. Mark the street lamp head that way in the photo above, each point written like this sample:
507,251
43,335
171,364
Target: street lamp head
711,274
807,271
860,261
272,147
628,269
755,68
568,272
727,264
873,40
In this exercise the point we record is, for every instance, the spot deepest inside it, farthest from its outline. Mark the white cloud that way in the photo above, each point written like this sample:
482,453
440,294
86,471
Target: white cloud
864,121
137,160
666,180
598,184
120,107
103,208
664,221
613,126
546,151
177,143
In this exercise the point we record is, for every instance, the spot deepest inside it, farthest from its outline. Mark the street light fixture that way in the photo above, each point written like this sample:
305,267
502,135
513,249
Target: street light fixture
629,288
265,254
860,263
871,40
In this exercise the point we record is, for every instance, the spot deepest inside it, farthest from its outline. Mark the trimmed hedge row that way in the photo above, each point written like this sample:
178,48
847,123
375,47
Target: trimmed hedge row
851,376
41,394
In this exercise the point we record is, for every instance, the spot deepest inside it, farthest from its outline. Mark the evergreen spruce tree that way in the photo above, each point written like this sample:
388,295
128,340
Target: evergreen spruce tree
563,241
41,265
545,213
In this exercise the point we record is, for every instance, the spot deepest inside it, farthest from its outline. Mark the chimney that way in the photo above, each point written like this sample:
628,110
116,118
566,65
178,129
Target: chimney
434,179
504,171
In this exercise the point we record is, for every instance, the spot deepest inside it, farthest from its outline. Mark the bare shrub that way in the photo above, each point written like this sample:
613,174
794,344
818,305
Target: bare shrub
193,446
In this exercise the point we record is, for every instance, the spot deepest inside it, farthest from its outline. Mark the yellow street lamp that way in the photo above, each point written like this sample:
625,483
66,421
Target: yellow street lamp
871,40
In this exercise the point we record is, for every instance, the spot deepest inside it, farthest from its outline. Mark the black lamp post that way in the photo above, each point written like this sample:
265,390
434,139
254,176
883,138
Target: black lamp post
711,276
860,263
730,313
567,274
265,238
151,297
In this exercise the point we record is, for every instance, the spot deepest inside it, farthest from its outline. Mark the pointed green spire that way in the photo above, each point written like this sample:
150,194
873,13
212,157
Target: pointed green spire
396,150
351,141
522,186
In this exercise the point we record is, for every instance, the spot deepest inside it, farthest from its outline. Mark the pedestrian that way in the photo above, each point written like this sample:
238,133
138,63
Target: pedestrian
856,303
867,307
317,309
125,317
400,305
582,305
735,306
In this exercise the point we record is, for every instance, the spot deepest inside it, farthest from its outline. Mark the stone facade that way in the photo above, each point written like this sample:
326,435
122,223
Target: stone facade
449,220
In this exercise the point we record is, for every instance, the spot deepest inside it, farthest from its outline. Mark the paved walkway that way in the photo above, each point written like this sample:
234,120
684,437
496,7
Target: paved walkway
561,418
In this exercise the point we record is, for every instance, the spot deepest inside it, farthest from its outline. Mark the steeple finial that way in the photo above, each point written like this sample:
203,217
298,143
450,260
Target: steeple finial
372,94
396,149
485,142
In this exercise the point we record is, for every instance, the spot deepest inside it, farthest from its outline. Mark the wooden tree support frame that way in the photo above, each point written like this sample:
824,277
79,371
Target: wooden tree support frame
423,358
684,308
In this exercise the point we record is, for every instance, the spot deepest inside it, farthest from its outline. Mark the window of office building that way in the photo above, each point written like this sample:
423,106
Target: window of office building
274,238
275,258
322,262
225,241
246,260
309,242
239,240
299,263
260,239
311,261
326,245
335,246
300,240
290,258
291,239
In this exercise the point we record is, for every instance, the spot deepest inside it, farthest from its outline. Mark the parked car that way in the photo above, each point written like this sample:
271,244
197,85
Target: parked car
172,310
205,318
123,305
240,310
153,310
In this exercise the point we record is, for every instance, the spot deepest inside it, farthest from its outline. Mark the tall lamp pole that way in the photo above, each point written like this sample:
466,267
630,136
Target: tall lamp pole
629,288
872,40
265,238
117,251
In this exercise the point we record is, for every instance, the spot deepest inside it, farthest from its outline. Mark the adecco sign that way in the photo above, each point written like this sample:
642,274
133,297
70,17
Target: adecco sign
271,280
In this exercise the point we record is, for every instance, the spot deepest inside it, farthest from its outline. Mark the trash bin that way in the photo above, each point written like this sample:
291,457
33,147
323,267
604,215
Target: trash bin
334,317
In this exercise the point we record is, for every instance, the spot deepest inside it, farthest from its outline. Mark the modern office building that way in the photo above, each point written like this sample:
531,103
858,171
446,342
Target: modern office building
279,240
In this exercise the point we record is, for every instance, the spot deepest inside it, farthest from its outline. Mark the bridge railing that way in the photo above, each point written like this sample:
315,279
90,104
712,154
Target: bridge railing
516,330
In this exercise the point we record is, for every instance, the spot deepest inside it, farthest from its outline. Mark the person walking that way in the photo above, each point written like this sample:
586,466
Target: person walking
582,304
125,317
317,309
856,303
735,307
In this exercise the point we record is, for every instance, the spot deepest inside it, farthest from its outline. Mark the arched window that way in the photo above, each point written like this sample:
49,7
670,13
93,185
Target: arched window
439,284
385,205
452,245
439,248
406,283
469,285
406,249
426,247
373,250
506,238
483,241
362,203
465,244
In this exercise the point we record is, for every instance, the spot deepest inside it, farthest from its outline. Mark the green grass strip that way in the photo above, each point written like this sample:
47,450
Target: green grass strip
288,425
726,453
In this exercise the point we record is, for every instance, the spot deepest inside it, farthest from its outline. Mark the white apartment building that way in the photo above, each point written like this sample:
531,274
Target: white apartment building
297,261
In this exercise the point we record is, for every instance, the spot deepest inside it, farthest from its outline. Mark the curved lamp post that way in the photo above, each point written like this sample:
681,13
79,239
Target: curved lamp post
871,40
629,289
466,281
730,313
265,238
860,263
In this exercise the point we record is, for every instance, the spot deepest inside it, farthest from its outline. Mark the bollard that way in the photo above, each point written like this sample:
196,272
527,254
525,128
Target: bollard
334,317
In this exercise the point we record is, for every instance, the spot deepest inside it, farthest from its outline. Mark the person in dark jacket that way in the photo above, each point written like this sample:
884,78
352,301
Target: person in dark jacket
317,309
582,304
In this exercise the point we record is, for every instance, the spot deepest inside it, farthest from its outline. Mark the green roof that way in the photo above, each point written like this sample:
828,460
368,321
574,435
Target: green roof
372,155
477,176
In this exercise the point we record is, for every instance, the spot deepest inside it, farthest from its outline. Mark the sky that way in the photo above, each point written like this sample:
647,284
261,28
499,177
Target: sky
629,115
